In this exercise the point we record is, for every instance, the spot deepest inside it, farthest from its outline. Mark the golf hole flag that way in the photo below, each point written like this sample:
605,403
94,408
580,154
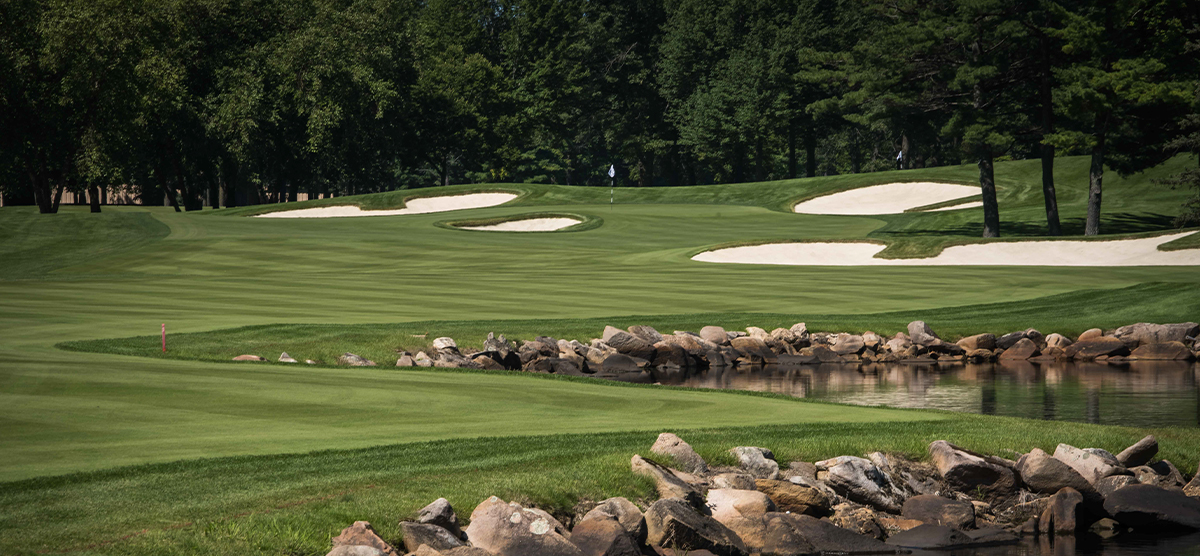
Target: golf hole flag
612,174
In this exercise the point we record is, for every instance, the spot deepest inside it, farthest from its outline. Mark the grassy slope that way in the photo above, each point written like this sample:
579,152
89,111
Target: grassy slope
76,276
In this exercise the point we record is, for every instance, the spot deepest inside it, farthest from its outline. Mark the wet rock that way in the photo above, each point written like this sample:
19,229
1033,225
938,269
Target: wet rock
362,534
669,444
603,536
433,536
940,511
1047,475
1061,516
510,530
921,334
861,481
619,363
668,484
1164,351
1097,347
1160,473
826,537
978,341
759,462
1153,508
1109,485
930,537
1140,453
1020,351
671,522
1092,464
966,471
627,514
798,499
354,360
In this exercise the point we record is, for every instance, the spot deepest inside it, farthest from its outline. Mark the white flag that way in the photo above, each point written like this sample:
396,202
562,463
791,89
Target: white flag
612,170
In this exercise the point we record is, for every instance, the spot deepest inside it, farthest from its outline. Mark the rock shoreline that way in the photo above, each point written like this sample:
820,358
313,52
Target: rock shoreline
877,504
643,354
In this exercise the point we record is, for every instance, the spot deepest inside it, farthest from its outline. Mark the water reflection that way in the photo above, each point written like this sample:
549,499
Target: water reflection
1141,393
1087,545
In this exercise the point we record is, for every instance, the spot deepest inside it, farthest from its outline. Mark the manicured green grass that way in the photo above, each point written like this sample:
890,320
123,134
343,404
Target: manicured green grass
322,284
380,342
293,504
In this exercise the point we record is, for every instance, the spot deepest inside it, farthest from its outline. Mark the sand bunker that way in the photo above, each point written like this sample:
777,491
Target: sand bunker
422,205
1125,252
967,205
527,225
891,198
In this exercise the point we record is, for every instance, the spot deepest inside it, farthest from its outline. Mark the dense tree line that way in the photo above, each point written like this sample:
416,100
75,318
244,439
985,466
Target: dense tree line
235,102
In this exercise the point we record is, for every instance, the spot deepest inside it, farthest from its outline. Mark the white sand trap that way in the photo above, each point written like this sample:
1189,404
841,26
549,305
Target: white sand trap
1124,252
891,198
972,204
424,205
527,225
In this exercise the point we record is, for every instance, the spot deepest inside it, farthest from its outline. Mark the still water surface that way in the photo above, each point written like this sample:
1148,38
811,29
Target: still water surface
1137,394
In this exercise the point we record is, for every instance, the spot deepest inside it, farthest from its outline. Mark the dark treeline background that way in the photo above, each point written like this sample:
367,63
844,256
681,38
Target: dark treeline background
235,102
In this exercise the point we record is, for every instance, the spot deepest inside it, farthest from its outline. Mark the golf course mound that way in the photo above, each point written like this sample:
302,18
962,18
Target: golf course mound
1123,252
424,205
522,224
889,198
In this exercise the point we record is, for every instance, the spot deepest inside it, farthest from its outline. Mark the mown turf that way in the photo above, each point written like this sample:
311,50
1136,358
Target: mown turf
78,276
293,504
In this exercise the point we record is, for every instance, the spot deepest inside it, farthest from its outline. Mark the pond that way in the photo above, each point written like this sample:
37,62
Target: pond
1136,394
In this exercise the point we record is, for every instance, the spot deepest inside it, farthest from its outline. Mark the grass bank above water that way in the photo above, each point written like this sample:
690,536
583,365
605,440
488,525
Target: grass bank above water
1159,302
294,503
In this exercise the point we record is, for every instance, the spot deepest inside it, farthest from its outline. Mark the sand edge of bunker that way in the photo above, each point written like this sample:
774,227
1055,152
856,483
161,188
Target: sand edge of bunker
1137,250
412,205
885,198
532,222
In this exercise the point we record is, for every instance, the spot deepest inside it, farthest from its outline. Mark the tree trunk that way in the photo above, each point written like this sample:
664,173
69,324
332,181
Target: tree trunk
791,139
1095,178
810,153
94,196
1052,222
987,182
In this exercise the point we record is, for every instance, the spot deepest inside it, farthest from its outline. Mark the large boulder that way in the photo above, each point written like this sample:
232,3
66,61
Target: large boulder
858,479
1140,453
759,462
967,471
825,537
930,536
860,519
1093,464
629,344
354,360
978,341
627,514
848,344
440,513
619,363
1058,341
1162,351
1151,507
668,484
754,348
939,511
362,534
603,535
1142,333
715,334
1108,485
1062,514
1009,340
1044,474
672,523
671,445
647,333
433,536
732,479
507,529
1096,347
1023,349
921,334
795,498
1160,473
728,504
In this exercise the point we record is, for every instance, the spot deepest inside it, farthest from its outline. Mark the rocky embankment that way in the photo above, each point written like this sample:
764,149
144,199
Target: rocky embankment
878,504
643,354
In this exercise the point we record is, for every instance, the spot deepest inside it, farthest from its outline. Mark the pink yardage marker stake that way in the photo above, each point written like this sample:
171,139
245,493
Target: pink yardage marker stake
164,336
